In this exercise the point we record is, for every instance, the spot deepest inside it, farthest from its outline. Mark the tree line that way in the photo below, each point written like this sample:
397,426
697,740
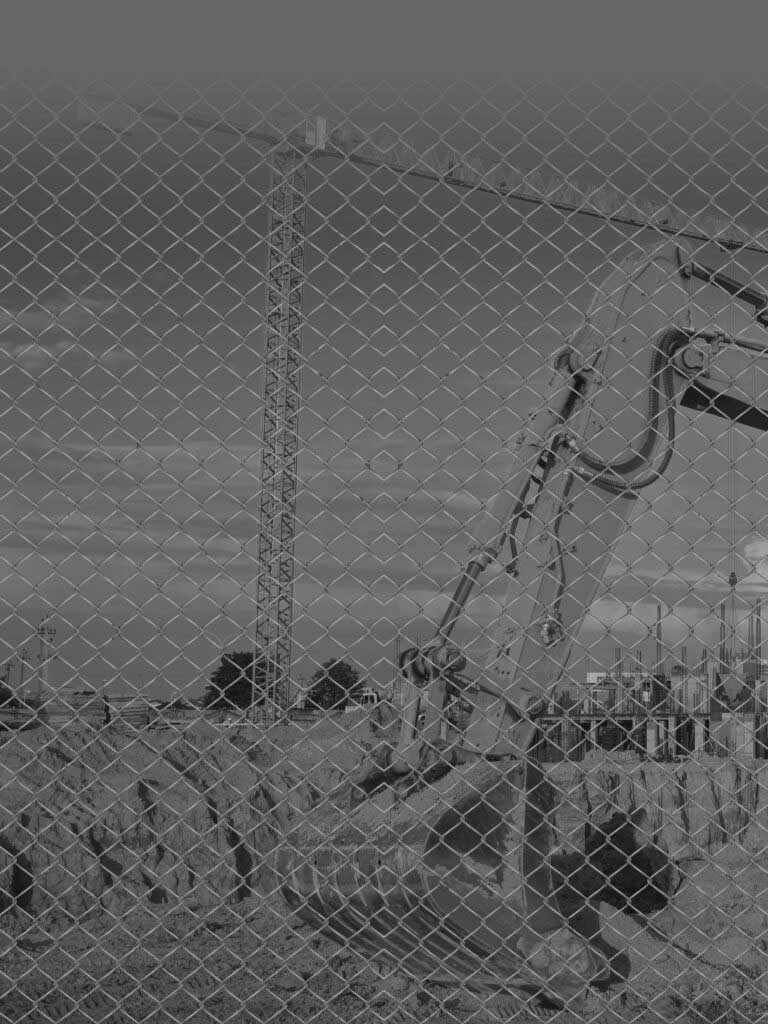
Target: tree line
241,679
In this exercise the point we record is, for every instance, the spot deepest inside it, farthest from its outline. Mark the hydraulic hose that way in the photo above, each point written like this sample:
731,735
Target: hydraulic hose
610,476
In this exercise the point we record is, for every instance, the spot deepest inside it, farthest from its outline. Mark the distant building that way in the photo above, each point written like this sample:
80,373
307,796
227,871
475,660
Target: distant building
365,698
368,697
611,692
80,705
137,712
177,712
733,694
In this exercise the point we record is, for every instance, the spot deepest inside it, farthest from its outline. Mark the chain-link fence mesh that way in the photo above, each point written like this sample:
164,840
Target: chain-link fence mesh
383,548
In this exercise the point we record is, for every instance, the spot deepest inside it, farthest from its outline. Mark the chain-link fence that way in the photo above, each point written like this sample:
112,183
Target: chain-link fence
383,550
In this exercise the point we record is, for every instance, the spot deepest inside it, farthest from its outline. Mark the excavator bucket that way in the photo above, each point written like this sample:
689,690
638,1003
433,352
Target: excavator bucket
464,896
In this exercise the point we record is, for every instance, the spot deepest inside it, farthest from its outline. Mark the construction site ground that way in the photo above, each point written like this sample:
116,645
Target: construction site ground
213,959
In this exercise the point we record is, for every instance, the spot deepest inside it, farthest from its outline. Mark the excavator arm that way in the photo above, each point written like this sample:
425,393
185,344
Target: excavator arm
440,861
639,354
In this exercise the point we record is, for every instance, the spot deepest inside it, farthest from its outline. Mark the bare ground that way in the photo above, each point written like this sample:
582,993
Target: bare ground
252,963
702,959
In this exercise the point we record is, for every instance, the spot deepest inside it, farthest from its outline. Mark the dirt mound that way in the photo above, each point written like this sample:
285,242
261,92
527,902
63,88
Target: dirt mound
102,820
105,818
689,808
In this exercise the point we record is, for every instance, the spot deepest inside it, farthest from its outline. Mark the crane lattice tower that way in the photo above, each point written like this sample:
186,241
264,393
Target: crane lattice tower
280,437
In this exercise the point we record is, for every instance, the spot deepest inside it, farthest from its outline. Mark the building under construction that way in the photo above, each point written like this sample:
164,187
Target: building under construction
718,705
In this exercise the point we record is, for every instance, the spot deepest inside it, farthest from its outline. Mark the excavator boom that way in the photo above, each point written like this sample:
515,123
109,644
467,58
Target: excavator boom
437,855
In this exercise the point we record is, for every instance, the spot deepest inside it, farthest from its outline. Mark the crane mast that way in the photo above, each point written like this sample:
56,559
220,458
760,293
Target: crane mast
282,359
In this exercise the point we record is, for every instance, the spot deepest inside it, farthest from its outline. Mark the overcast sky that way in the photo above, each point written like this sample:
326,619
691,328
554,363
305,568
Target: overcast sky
131,344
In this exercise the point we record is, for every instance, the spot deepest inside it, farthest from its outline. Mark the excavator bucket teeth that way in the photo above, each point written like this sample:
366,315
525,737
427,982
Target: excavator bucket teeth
465,899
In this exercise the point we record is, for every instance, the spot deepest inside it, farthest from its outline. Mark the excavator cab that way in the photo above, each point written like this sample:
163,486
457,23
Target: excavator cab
437,855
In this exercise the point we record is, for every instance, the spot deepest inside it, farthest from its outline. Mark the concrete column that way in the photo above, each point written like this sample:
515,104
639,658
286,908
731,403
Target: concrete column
671,737
698,735
569,737
661,737
746,737
593,726
651,738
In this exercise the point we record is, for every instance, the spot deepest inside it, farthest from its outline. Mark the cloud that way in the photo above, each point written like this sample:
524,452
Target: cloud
61,312
755,580
33,356
756,550
46,329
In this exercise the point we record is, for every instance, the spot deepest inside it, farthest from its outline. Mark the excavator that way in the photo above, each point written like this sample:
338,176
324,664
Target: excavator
436,856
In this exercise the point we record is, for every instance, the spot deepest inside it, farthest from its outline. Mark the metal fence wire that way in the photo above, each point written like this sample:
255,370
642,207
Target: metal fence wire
383,550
